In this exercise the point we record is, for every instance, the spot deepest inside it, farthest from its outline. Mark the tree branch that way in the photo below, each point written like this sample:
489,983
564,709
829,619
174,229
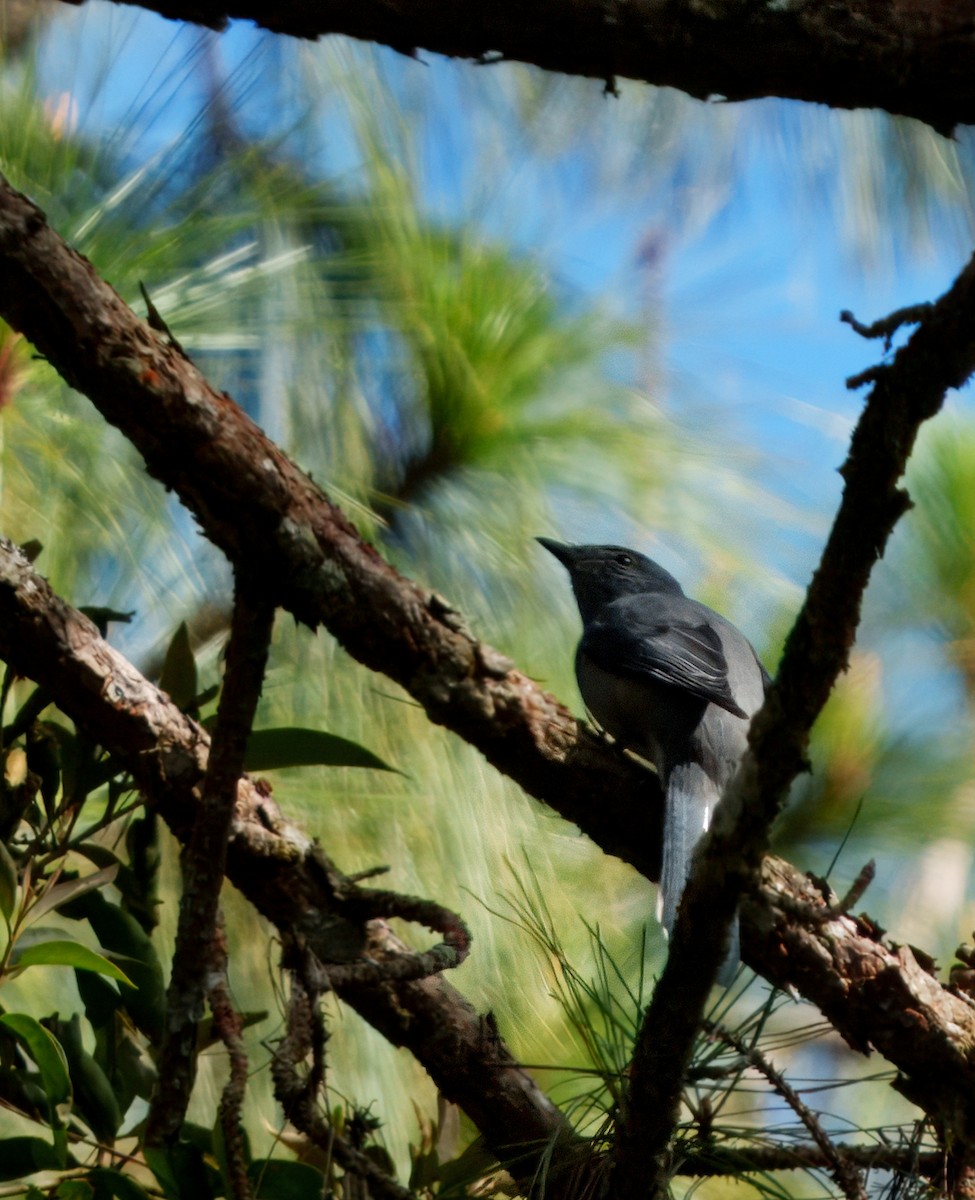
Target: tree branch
262,510
268,516
276,866
902,1159
915,60
939,355
200,954
872,995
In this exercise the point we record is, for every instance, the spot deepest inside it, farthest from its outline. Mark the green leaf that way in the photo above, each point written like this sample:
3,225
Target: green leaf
20,1156
74,1189
100,998
178,676
181,1171
47,1053
67,954
94,1097
290,746
121,935
67,890
282,1179
8,883
113,1185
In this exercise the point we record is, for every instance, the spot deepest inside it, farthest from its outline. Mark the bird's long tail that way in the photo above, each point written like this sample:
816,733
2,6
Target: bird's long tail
691,796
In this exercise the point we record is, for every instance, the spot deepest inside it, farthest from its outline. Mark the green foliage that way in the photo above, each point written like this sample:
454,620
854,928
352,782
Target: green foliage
79,1082
179,678
941,535
56,953
458,398
268,749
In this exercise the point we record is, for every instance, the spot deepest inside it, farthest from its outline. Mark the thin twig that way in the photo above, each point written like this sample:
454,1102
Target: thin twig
228,1025
824,910
197,959
887,326
300,1098
734,1162
846,1176
939,355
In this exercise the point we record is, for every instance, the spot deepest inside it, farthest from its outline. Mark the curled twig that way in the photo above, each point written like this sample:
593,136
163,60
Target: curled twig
299,1095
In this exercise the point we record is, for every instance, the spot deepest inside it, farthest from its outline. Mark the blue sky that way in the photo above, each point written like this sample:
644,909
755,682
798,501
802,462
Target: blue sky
743,229
753,268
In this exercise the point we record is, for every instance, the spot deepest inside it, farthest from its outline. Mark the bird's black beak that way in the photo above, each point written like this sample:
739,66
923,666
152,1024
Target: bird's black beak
565,554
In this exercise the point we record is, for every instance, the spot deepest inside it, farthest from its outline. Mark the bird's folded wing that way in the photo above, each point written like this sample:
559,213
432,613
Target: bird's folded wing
686,656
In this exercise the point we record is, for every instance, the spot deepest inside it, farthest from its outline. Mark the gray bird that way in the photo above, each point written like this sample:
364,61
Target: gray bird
672,681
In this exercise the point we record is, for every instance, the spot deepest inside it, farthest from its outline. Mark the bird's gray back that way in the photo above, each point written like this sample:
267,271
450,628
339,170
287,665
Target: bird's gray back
663,721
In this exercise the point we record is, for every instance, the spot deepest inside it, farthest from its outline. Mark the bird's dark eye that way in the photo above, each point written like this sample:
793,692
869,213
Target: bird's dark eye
624,560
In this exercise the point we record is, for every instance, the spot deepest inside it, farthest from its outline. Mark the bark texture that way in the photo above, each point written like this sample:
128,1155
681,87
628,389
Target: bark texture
877,997
914,58
268,517
273,863
905,392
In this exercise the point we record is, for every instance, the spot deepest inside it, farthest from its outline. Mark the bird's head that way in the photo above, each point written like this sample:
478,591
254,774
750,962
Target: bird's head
600,574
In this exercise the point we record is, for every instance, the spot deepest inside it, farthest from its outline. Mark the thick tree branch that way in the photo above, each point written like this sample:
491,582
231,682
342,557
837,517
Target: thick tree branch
912,58
269,517
255,504
873,996
273,863
939,355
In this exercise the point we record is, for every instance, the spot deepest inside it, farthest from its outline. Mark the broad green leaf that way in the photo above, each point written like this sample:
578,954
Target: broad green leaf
20,1156
61,893
100,998
181,1171
94,1097
291,746
99,854
67,954
49,1056
8,883
15,766
474,1163
178,676
74,1189
121,935
282,1179
113,1185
